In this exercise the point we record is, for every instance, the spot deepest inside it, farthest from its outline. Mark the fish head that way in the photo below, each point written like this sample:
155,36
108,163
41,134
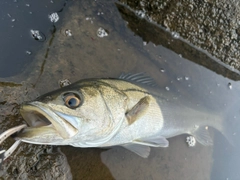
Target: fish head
83,114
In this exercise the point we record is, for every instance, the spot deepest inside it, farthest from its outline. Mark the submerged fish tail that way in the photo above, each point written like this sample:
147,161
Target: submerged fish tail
225,128
220,123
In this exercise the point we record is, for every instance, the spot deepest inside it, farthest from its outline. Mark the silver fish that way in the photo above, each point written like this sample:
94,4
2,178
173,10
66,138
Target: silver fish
130,111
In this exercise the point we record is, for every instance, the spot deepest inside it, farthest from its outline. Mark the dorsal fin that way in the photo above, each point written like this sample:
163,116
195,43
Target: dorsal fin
139,78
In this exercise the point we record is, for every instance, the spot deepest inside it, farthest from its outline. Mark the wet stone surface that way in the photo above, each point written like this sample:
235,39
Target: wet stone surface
211,25
29,161
36,162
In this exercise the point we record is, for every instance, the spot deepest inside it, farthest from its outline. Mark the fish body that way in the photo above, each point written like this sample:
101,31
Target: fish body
128,112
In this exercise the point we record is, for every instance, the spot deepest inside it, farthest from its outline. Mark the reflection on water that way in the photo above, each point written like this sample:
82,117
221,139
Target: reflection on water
84,55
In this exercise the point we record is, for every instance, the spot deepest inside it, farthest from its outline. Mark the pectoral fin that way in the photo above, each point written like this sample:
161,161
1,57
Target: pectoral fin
141,146
202,136
140,150
138,110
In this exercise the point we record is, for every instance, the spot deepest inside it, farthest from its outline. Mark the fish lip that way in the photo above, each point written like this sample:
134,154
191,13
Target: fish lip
38,114
33,117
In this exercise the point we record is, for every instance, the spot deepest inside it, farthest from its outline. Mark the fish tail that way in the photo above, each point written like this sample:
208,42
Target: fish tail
226,128
221,124
224,124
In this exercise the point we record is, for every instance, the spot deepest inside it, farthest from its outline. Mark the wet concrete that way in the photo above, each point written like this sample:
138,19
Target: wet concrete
85,55
151,32
210,25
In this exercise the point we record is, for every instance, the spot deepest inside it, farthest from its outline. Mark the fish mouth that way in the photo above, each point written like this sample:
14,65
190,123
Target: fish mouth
46,126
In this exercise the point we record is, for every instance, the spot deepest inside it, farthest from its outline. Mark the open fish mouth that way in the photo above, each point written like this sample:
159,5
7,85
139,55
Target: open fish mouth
46,126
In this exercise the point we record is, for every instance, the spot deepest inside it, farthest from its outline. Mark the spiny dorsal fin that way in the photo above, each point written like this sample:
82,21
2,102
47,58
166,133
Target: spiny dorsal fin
138,110
139,78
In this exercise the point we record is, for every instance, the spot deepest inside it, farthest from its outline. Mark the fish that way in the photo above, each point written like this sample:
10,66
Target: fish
131,111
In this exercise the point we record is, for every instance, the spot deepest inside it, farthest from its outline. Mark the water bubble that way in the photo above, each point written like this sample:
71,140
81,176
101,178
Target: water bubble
175,35
68,32
37,35
53,17
102,32
28,5
189,85
167,88
100,13
162,70
13,20
180,55
229,85
186,78
28,52
191,141
144,43
179,78
64,82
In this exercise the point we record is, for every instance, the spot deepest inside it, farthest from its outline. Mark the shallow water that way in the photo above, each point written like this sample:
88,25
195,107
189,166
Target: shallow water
85,55
17,18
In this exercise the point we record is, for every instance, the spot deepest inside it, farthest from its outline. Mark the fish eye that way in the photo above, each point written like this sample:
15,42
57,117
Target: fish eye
72,100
